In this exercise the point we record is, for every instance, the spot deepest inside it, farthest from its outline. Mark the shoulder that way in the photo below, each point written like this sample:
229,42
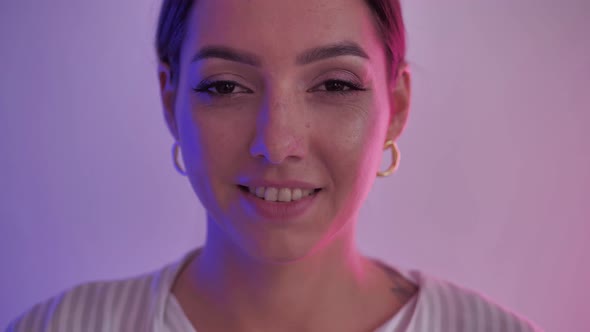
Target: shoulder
94,306
460,309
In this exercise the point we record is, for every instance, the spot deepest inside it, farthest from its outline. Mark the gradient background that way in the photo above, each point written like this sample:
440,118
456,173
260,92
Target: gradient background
492,192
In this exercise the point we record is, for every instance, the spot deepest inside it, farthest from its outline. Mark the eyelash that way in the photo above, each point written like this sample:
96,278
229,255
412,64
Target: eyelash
353,88
204,87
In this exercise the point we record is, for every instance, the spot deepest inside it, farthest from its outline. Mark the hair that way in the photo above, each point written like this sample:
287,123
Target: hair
173,22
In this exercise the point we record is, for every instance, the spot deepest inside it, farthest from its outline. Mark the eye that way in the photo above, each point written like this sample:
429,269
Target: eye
334,85
222,88
340,87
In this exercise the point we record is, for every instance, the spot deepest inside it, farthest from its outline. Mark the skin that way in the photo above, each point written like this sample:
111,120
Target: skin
282,121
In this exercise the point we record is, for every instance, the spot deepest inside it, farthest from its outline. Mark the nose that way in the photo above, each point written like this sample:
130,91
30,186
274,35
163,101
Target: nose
279,130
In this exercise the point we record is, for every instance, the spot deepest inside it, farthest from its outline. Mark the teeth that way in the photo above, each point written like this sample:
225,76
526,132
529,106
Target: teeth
271,194
280,194
284,195
296,194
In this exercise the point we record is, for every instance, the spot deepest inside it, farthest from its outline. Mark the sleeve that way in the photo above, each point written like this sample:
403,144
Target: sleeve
90,307
476,312
63,312
40,317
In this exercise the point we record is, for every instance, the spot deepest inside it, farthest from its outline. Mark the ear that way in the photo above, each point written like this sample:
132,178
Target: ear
399,102
168,96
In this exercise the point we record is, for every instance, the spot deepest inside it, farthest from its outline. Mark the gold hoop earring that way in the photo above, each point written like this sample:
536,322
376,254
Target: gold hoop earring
175,151
395,157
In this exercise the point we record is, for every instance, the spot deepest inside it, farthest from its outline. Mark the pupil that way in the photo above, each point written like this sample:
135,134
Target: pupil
334,85
225,87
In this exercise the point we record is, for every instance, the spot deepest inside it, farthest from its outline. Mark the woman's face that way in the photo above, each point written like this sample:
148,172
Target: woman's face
255,107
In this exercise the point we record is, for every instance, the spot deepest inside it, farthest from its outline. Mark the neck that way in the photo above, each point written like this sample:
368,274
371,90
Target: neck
265,295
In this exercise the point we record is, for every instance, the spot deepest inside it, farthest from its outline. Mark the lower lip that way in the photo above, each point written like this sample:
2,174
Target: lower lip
280,212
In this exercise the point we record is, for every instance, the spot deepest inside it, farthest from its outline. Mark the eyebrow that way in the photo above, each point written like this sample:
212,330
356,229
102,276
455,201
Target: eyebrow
308,56
227,53
330,51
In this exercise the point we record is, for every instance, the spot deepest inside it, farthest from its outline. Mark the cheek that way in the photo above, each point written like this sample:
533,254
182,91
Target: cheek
352,135
213,148
351,142
214,137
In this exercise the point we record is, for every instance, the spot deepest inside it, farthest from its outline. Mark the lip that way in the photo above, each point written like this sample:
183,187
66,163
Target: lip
279,212
279,184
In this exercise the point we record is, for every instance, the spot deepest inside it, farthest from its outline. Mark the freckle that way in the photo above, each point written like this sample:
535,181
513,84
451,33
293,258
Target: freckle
307,125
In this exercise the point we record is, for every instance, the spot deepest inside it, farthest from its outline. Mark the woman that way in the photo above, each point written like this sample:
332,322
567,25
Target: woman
281,110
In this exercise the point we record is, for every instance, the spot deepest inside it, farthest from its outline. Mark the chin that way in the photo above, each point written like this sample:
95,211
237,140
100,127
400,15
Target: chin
279,252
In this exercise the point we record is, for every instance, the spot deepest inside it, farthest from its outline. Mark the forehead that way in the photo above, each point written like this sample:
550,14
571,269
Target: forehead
278,30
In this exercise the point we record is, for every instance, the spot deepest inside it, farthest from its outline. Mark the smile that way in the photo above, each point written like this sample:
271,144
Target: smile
273,194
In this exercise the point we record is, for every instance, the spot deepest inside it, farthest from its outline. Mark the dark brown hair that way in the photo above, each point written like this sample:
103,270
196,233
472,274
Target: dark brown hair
174,20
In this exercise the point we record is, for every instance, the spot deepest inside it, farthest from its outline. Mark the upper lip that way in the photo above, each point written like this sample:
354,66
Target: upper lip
279,184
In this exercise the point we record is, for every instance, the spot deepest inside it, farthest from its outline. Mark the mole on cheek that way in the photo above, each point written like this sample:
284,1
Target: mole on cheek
307,125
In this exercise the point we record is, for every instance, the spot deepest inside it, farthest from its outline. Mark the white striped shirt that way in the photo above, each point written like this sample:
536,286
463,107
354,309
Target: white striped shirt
146,304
